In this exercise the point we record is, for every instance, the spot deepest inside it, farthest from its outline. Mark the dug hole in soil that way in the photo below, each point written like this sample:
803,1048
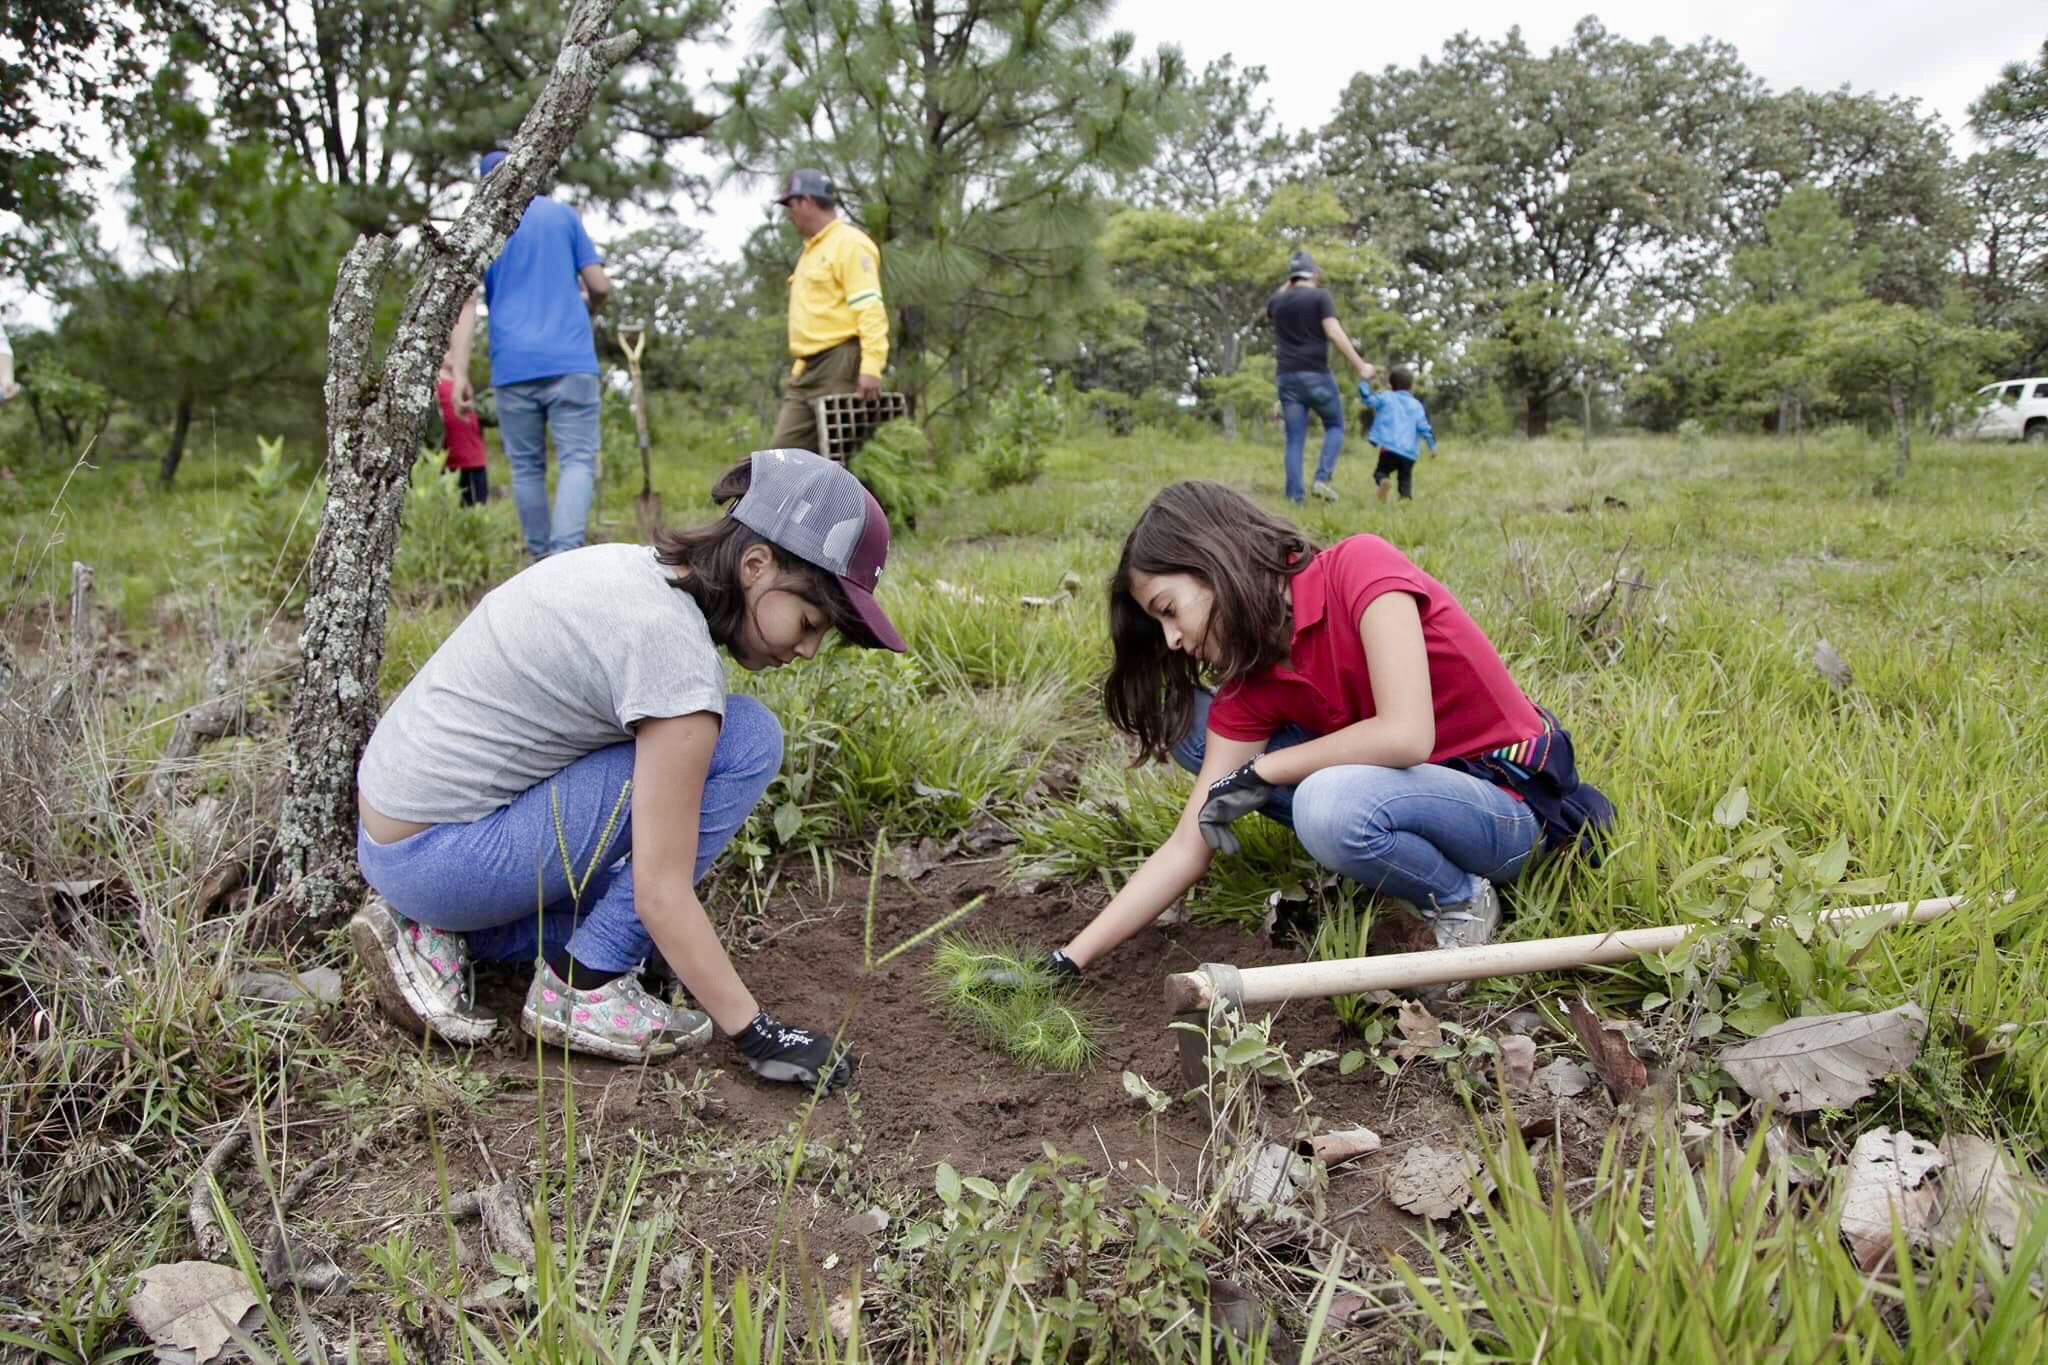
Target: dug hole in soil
928,1089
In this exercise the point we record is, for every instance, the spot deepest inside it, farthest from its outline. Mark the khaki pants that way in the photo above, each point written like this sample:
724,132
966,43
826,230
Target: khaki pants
836,370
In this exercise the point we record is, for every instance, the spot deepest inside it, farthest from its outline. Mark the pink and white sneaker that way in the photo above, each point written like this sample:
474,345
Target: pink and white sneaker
420,975
619,1019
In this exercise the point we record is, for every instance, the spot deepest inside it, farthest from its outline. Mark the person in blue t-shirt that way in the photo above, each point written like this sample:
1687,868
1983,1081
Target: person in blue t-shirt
1399,428
541,294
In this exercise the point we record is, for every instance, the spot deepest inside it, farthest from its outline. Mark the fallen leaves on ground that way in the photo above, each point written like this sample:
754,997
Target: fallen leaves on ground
1433,1184
1345,1144
191,1305
1518,1060
1985,1186
1420,1032
1606,1042
1826,1061
1886,1176
1565,1078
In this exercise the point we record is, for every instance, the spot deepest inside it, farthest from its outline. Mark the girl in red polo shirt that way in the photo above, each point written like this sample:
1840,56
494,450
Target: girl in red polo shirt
1353,700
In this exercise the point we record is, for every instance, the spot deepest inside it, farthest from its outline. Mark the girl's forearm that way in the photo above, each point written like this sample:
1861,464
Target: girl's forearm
1175,866
1379,741
683,932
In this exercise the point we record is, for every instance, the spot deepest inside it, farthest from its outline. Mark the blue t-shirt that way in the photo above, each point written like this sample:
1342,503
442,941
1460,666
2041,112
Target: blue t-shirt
540,326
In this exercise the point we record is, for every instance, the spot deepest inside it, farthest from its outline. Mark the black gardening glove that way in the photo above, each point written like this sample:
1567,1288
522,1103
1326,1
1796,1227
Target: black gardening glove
776,1051
1063,971
1235,794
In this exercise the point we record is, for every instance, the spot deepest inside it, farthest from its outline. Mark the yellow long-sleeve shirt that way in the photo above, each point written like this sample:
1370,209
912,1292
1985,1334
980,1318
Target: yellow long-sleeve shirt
835,293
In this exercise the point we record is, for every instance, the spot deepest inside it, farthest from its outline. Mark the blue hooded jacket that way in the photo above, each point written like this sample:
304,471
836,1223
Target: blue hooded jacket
1397,421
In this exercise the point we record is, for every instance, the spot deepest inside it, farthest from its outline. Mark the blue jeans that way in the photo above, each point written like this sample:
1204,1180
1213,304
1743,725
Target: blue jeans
1427,835
1302,392
487,879
567,407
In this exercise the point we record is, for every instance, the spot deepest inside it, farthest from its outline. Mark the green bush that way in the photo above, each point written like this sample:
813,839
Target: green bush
901,467
1020,427
446,552
267,536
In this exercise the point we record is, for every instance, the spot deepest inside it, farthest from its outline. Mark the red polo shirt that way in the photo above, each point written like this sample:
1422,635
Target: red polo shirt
1478,707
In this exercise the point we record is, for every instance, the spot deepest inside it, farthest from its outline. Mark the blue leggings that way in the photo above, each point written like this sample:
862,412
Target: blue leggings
487,879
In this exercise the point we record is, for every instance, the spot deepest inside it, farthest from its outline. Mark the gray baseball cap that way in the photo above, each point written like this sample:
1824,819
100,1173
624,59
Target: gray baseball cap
814,184
1301,266
816,510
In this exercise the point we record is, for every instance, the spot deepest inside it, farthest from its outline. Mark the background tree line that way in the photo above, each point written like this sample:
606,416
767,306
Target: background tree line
1642,231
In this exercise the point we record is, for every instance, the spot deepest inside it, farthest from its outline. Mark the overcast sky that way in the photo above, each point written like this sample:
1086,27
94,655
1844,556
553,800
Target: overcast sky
1941,52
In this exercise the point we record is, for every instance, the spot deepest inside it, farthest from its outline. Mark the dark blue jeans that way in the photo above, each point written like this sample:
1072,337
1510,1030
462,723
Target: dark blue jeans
1302,392
1427,834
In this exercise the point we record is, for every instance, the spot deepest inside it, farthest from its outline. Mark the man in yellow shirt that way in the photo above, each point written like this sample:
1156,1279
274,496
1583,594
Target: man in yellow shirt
838,327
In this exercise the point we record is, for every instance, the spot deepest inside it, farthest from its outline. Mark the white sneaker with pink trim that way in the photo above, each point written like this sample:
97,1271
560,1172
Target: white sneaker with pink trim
420,974
619,1019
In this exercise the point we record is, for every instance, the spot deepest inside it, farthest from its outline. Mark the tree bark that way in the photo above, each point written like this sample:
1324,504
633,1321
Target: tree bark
1905,434
375,419
1538,410
174,453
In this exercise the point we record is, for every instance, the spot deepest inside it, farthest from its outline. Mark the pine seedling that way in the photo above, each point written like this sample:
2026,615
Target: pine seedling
1010,999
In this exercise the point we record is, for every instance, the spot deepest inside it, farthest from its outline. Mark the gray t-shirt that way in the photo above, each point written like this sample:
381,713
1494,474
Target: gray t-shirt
559,661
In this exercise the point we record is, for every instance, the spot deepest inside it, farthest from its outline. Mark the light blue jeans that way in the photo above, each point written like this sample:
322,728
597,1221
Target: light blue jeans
1427,834
501,881
1302,392
565,406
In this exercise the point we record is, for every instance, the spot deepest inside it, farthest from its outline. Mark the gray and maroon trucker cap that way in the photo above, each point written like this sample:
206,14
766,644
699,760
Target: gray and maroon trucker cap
820,513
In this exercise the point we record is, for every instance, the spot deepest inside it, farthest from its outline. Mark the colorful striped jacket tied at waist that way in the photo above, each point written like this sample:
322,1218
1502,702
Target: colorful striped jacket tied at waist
1541,771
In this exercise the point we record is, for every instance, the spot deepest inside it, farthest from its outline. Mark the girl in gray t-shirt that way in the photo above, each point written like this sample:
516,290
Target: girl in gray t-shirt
556,779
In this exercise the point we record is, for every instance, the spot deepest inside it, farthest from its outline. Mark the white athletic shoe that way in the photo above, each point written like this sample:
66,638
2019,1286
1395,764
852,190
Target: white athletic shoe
420,975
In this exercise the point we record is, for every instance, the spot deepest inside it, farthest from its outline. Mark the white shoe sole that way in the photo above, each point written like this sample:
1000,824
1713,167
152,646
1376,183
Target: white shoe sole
401,994
555,1033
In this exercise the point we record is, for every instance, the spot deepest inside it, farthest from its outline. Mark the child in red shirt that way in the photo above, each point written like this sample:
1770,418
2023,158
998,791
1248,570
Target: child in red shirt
1354,700
466,453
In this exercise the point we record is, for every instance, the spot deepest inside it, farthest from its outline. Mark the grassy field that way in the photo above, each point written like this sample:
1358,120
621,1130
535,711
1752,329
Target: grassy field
1665,598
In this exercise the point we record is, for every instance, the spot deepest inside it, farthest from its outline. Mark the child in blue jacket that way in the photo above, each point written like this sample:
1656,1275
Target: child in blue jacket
1399,427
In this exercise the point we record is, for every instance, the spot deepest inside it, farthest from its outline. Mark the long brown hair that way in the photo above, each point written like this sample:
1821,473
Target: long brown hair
711,556
1241,554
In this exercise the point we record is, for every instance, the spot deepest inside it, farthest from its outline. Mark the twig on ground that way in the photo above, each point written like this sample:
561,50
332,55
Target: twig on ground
206,1229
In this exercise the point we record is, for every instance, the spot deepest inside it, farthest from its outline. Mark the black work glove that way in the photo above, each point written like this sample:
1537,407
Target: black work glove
1235,794
776,1051
1062,970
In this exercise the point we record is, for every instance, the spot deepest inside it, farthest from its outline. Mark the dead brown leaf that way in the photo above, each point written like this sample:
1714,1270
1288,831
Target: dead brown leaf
1886,1178
1606,1042
1565,1078
1420,1032
1826,1061
1518,1060
190,1305
1346,1144
1985,1186
1433,1184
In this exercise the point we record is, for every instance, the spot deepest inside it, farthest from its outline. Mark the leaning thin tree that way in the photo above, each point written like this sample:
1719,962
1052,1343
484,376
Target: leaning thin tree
375,420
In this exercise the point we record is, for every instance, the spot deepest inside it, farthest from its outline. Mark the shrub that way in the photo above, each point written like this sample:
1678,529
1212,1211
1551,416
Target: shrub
1014,439
267,536
900,466
446,551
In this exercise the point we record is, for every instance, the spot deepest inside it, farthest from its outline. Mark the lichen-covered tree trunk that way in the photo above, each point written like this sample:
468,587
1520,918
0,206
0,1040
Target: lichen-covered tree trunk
375,419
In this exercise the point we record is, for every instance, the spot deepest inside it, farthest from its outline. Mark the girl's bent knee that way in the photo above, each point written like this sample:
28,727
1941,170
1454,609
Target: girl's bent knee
755,733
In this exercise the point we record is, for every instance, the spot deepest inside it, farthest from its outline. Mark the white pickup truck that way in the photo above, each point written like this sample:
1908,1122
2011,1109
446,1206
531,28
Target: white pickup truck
2016,410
